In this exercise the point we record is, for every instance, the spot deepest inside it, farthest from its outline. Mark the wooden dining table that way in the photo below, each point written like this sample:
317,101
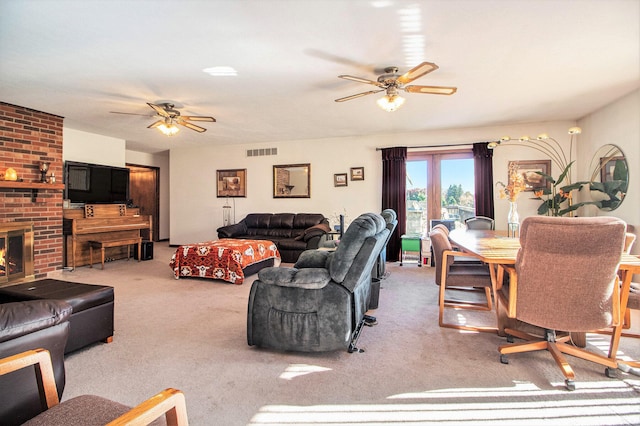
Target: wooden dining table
496,248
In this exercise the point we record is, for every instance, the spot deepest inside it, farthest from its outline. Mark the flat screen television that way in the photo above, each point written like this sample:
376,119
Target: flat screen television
95,183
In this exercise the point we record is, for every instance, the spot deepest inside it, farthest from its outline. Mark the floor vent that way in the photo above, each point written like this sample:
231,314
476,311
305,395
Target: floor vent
261,152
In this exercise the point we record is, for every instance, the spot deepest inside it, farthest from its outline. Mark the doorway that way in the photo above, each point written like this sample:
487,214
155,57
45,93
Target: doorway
440,186
144,191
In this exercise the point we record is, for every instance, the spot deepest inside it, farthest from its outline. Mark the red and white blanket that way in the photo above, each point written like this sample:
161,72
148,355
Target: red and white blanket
223,259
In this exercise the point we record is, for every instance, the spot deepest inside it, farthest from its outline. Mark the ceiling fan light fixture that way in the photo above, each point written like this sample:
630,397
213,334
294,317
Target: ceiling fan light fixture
390,103
168,129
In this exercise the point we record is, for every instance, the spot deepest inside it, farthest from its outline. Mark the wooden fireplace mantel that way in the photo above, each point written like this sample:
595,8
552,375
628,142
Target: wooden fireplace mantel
34,187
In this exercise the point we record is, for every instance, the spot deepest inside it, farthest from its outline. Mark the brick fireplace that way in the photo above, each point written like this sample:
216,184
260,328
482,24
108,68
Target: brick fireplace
28,137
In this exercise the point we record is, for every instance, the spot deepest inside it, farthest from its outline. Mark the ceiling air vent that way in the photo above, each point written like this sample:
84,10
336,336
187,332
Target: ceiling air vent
261,152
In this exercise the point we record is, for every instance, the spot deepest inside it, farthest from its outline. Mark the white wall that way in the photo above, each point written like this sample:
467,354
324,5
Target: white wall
619,124
91,148
196,212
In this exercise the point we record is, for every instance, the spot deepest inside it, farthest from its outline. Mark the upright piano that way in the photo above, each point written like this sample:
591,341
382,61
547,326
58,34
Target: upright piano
101,221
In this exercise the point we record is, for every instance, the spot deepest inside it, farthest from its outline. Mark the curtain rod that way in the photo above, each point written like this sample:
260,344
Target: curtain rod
460,145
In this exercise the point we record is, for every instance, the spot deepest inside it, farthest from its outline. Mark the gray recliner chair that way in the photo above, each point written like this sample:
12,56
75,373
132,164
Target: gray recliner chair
391,218
319,304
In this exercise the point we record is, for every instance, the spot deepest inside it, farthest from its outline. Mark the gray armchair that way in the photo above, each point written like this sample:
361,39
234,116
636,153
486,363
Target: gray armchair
391,218
319,304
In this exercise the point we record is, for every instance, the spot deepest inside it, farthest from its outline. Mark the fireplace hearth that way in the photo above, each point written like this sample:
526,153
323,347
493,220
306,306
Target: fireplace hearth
16,252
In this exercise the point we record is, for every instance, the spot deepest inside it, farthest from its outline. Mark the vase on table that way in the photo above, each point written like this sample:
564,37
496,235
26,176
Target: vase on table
513,220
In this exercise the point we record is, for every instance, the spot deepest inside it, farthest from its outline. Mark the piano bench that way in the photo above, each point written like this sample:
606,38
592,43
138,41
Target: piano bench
105,243
92,318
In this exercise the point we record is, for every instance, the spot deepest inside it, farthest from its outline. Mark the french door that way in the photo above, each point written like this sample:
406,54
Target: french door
440,186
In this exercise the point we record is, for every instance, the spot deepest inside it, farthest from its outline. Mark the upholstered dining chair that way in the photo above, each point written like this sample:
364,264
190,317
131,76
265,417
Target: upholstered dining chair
453,276
480,222
90,410
634,295
559,259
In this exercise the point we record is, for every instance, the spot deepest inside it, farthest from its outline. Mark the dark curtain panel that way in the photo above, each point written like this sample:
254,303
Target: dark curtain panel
394,185
483,164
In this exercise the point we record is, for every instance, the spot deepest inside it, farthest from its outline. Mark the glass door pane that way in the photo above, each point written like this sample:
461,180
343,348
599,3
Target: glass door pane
458,190
416,197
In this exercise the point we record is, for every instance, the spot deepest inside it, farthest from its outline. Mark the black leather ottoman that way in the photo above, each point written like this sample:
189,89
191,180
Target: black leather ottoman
92,317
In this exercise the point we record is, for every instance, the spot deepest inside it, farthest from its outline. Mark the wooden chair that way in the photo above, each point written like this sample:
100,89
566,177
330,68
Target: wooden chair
480,222
559,259
90,409
452,275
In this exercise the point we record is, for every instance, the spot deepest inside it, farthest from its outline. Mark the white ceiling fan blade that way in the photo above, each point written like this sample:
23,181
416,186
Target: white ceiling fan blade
348,98
156,124
434,90
159,110
198,118
191,126
361,80
416,72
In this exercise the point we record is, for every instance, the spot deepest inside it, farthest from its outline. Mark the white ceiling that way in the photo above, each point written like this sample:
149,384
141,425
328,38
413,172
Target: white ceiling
512,61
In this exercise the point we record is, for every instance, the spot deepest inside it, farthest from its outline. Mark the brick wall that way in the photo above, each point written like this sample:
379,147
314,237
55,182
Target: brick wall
28,137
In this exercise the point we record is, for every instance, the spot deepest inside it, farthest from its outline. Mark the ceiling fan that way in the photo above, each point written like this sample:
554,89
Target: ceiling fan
170,116
391,83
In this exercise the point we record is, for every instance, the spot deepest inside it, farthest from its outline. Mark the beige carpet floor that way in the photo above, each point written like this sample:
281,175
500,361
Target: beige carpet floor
191,334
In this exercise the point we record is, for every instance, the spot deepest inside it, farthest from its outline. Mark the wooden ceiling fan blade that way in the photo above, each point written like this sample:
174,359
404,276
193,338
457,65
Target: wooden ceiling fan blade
191,126
156,124
361,80
417,72
198,118
433,90
131,113
157,108
348,98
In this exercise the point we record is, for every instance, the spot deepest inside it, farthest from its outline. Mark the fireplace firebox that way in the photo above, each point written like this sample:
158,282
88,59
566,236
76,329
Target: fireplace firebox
16,252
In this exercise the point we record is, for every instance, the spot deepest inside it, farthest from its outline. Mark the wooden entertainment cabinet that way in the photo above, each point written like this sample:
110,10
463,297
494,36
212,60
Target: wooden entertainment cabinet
101,222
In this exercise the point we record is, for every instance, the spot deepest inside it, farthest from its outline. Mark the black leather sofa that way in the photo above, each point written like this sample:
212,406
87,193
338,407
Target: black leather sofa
292,233
25,326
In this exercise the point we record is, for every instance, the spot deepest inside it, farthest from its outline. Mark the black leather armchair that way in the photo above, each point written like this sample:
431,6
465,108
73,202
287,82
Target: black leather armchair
319,304
26,326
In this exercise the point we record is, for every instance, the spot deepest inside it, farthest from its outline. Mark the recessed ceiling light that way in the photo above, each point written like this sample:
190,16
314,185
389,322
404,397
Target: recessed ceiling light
220,71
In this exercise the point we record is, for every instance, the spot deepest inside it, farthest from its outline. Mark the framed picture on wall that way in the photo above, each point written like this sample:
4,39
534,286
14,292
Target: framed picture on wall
528,171
231,183
357,173
340,179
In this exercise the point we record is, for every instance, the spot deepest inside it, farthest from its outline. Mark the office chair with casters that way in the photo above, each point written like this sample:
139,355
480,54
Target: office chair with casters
480,222
565,278
91,409
452,275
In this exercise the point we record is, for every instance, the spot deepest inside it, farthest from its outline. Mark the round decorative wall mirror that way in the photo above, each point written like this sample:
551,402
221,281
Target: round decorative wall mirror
609,178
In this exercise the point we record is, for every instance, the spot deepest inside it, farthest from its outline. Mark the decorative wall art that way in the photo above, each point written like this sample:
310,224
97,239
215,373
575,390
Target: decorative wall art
340,179
357,173
231,183
528,171
292,181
